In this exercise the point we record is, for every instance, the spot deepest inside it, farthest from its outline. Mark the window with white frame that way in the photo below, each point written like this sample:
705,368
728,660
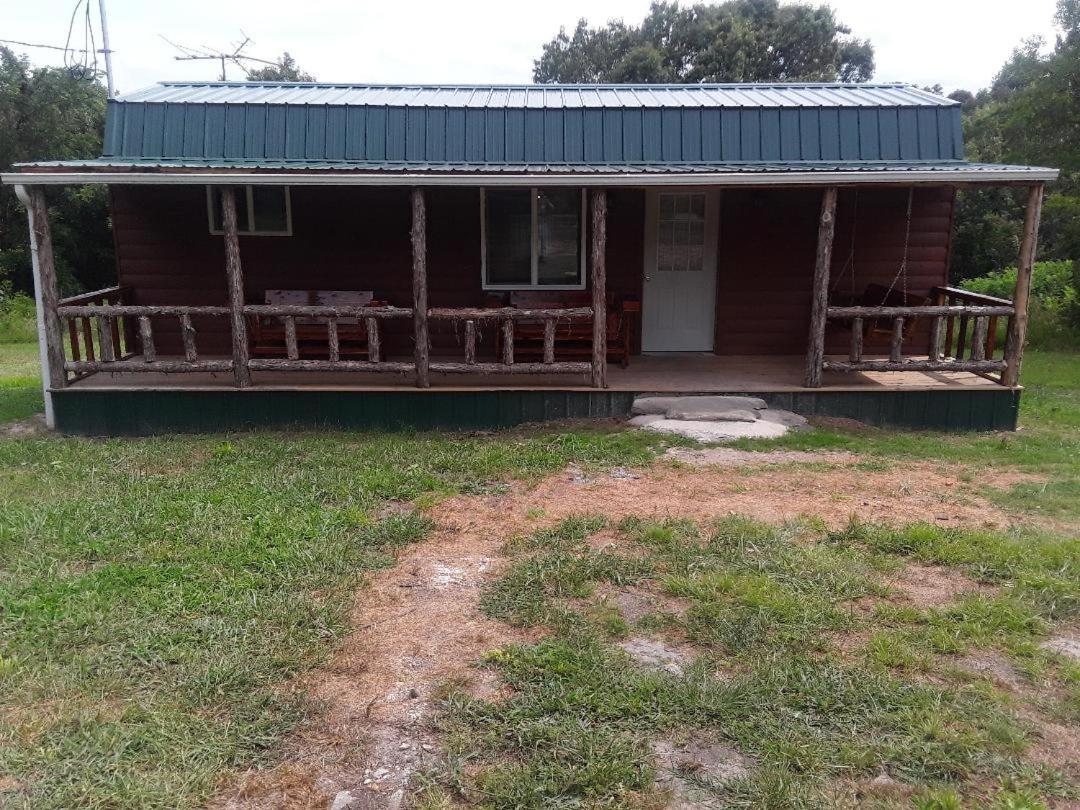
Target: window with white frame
260,210
680,243
532,238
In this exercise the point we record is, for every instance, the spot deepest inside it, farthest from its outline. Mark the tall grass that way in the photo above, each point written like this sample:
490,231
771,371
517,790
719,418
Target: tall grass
17,319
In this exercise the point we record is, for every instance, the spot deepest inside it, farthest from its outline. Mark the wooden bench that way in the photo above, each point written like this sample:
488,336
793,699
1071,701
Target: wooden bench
312,341
573,339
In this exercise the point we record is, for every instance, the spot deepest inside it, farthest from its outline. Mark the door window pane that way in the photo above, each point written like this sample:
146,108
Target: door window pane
509,237
680,242
558,222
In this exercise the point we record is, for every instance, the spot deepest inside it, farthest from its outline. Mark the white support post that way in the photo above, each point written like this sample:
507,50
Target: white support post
43,343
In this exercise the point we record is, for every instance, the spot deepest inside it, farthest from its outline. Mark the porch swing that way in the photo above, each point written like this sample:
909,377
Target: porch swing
878,295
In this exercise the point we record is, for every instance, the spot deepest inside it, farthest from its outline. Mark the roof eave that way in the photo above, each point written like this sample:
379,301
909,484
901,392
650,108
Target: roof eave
326,177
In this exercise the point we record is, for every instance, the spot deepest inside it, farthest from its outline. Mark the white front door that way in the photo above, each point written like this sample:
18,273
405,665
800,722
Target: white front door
679,300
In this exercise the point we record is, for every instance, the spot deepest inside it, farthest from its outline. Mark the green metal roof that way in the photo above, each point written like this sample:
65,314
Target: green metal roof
543,124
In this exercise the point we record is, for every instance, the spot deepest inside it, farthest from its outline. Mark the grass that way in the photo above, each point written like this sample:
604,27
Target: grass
154,594
763,606
20,381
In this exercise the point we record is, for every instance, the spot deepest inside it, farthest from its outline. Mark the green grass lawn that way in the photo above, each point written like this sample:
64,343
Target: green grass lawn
156,593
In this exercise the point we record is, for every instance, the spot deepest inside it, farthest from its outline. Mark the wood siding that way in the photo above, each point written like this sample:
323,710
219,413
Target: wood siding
358,238
766,258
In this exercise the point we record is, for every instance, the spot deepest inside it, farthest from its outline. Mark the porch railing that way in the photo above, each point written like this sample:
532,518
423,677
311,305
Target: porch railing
963,334
505,318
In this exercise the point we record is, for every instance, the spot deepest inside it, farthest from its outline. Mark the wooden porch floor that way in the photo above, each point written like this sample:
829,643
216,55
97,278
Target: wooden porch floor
662,373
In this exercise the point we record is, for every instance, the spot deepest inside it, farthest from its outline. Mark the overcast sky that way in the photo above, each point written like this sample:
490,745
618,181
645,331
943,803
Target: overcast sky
959,43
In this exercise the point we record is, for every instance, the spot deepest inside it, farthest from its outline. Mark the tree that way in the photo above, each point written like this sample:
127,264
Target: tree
285,70
734,41
47,113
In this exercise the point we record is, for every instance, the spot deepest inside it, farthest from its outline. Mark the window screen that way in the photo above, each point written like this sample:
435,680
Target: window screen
558,237
509,237
681,239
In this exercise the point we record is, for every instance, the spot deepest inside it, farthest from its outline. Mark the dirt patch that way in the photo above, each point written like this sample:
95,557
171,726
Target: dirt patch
418,626
994,666
728,457
652,653
635,603
24,428
1066,644
686,769
934,585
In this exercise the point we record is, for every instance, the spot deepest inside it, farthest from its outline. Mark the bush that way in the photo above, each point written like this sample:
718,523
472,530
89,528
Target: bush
1054,306
18,320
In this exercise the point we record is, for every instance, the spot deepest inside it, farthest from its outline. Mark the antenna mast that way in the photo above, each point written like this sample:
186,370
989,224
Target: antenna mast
105,49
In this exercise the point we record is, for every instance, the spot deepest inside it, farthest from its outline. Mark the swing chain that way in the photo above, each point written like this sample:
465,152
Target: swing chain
901,274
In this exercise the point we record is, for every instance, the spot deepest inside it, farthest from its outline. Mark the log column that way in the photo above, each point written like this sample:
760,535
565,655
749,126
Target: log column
599,288
46,294
419,285
1014,343
815,351
235,276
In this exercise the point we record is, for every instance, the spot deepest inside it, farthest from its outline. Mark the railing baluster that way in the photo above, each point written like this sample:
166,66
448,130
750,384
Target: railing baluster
855,355
73,339
105,340
373,348
991,336
935,339
961,337
978,340
88,338
549,340
290,338
118,349
508,341
146,337
470,342
187,334
896,353
332,344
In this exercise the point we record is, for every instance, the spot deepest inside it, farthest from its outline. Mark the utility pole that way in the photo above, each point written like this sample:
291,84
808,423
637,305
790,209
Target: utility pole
105,49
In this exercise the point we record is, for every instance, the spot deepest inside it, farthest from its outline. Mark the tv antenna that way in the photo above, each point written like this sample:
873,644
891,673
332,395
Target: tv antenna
235,56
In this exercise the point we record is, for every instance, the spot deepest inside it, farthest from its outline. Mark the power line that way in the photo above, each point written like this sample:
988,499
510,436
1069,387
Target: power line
38,45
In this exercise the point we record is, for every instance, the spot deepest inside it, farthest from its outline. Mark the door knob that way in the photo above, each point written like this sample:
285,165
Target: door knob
648,278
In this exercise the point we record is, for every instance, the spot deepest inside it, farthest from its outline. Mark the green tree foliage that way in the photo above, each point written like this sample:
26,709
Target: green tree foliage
734,41
46,113
1029,115
286,70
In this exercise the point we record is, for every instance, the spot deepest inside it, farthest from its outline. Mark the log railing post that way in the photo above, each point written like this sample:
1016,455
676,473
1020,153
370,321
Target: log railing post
599,288
815,351
46,295
419,285
1014,343
235,277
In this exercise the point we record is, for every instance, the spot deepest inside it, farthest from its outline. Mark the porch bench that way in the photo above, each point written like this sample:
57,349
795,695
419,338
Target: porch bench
573,339
312,339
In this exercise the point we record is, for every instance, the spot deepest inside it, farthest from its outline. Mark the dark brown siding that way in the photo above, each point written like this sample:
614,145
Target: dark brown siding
766,256
358,238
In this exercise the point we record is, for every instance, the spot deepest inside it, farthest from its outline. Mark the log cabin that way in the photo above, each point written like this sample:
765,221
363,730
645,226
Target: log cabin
477,256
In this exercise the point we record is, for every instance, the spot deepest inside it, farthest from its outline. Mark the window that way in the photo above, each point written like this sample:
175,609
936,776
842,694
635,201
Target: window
532,238
680,244
260,210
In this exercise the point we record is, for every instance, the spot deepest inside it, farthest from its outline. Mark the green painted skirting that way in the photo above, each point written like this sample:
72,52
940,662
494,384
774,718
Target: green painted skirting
106,412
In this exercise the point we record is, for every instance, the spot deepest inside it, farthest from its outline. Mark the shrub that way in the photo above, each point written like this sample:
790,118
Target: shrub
1054,305
17,319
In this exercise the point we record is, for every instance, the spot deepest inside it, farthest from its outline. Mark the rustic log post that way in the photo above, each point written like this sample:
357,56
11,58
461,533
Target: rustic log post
88,338
291,349
470,342
146,338
961,336
187,333
978,340
934,352
333,345
46,295
105,339
855,355
599,288
1018,324
896,349
549,340
235,277
815,351
508,342
419,285
374,349
73,339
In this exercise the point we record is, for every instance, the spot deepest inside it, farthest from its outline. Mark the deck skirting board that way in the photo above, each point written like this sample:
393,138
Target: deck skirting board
130,412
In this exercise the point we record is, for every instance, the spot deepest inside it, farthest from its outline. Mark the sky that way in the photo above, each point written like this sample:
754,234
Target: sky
957,43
